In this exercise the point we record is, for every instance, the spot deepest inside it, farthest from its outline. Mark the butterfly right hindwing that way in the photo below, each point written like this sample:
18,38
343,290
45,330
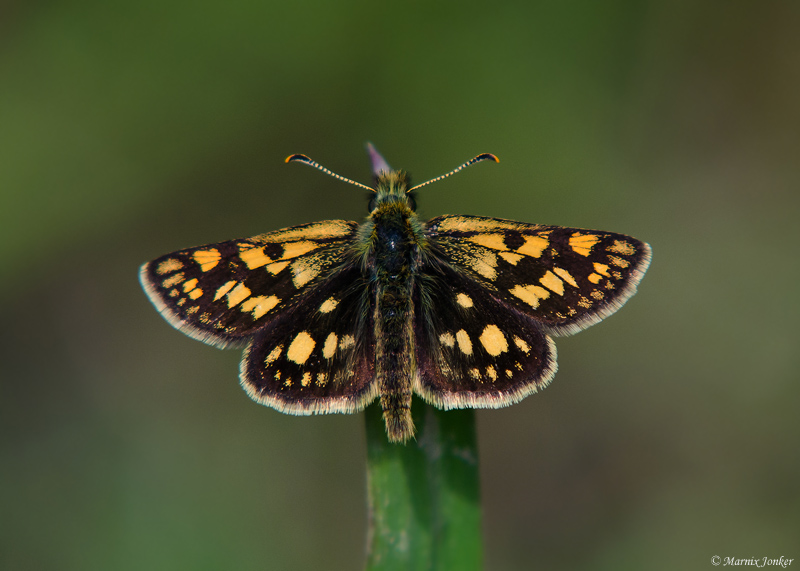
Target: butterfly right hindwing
472,351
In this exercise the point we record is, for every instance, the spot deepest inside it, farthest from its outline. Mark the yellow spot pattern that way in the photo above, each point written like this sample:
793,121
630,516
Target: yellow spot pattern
601,269
493,241
223,289
277,267
493,340
167,266
207,259
619,262
255,258
464,342
621,247
260,304
328,305
464,300
470,224
304,270
530,294
238,294
329,348
295,249
533,246
582,243
328,229
273,355
172,280
301,347
485,264
566,276
447,339
510,257
552,282
523,346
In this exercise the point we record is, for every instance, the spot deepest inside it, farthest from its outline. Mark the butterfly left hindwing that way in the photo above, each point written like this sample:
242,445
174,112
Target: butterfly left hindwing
318,356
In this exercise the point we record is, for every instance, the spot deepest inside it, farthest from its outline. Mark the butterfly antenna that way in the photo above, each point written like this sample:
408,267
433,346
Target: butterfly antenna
305,160
479,158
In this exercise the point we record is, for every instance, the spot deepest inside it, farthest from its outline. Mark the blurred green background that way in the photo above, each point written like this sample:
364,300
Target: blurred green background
128,130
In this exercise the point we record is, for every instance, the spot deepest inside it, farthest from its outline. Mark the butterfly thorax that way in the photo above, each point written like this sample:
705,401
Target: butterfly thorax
393,236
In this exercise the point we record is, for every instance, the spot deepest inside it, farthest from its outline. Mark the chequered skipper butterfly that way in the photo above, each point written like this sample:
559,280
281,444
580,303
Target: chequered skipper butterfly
460,310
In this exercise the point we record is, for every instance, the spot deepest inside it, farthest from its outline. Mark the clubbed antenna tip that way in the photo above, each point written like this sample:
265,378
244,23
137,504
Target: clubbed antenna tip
298,158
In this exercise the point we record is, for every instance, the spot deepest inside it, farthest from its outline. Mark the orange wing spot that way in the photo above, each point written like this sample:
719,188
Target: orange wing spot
167,266
207,259
523,346
254,257
485,264
510,257
447,340
493,340
621,247
582,243
601,269
273,355
223,289
238,294
300,349
464,342
619,262
552,282
533,246
295,249
530,294
172,280
260,304
472,224
493,241
277,267
566,276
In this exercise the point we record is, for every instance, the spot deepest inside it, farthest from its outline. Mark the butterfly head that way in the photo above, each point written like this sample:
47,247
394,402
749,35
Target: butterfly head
392,190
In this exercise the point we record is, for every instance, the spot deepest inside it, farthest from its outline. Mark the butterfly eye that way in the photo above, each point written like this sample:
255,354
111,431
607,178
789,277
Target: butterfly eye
412,201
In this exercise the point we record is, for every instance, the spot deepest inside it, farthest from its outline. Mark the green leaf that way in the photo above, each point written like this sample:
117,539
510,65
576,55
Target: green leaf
424,496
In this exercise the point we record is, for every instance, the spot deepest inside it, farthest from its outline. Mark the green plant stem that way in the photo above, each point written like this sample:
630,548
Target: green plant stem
424,496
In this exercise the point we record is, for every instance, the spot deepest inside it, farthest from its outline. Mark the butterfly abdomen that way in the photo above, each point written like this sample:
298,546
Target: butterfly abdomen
394,253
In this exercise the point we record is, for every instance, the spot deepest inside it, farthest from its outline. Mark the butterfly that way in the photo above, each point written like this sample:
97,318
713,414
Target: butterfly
459,310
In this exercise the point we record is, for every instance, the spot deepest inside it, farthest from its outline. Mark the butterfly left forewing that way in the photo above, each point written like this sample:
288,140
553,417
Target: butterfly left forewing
222,293
564,279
